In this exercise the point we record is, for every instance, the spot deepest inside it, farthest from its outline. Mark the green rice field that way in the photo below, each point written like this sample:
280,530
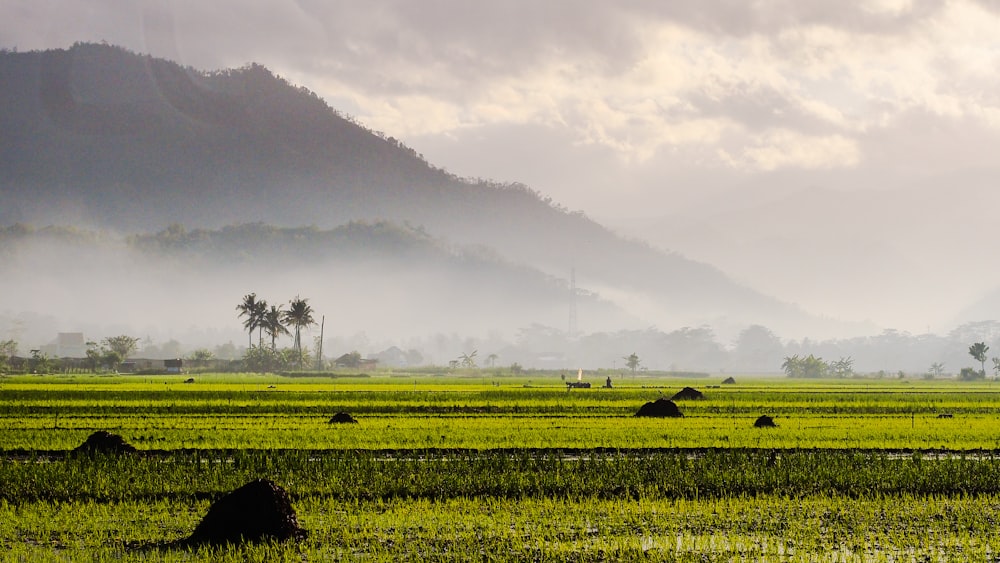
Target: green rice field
473,466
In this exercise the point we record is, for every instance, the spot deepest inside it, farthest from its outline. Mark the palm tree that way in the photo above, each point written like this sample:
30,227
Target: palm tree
468,360
253,310
978,352
299,315
273,324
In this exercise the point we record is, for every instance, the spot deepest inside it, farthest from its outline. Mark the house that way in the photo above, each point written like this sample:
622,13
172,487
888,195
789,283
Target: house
354,360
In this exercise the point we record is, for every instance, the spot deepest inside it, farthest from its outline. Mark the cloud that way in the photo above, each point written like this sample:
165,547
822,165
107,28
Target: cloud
635,77
788,149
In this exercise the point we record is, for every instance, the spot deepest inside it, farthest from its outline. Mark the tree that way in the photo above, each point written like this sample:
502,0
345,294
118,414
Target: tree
978,353
996,367
468,360
253,310
937,369
810,366
226,351
201,355
299,315
8,349
792,366
39,363
262,360
814,367
632,362
844,367
492,359
757,349
970,374
94,356
123,345
111,358
273,324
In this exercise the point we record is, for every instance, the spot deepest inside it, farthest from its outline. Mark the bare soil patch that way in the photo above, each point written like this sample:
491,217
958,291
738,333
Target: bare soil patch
255,512
764,421
660,408
687,394
103,442
342,418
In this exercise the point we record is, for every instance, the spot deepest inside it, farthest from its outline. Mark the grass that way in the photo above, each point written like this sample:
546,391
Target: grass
495,469
229,411
760,529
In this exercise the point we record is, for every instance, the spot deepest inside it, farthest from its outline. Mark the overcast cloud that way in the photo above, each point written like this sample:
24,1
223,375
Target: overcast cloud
673,121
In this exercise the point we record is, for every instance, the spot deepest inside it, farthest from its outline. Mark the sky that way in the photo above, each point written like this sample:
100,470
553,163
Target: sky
837,155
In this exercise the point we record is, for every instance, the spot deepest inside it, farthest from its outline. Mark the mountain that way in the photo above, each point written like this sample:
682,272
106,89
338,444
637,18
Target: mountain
99,136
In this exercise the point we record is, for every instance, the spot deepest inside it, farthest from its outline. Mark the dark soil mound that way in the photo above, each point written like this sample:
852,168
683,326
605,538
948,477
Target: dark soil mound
687,394
660,408
728,381
341,418
257,511
946,415
578,384
102,442
189,380
764,421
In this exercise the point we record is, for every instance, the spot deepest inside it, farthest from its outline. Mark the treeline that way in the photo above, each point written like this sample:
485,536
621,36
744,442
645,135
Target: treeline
247,241
759,350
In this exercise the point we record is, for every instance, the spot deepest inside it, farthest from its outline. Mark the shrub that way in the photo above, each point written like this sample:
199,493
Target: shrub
969,374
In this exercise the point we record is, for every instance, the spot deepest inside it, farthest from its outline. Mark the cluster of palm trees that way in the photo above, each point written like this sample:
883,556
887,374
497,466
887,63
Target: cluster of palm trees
274,321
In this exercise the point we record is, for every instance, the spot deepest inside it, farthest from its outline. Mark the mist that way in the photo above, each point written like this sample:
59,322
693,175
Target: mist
424,297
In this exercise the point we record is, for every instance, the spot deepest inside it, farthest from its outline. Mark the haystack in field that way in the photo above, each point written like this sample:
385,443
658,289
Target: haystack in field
102,442
687,394
764,421
729,381
660,408
342,418
258,511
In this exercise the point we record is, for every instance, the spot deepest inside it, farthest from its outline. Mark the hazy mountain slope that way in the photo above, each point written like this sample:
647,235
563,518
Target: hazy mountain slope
388,281
98,135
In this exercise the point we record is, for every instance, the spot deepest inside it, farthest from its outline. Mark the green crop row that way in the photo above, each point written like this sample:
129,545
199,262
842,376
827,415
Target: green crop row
501,474
483,432
761,528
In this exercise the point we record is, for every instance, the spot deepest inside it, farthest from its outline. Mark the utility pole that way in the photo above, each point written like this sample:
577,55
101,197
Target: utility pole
319,352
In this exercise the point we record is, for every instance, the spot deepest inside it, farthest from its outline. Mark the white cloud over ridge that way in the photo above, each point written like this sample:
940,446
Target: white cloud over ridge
636,77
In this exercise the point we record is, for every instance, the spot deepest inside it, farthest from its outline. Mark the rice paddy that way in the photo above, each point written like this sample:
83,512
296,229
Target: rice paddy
474,466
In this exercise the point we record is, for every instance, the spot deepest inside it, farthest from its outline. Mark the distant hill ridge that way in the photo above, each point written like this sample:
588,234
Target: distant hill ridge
98,135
